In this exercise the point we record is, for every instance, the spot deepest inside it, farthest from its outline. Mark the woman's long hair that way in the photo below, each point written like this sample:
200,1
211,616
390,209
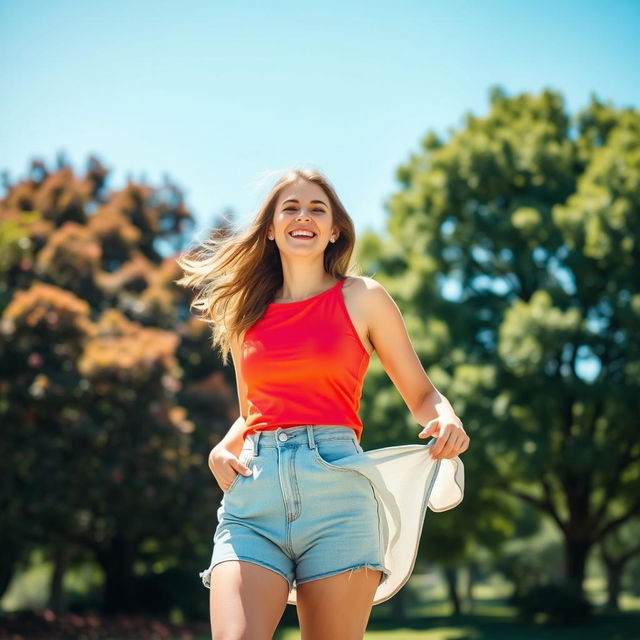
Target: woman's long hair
236,272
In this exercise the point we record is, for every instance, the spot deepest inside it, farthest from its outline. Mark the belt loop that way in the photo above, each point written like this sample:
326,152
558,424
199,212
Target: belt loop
256,437
312,442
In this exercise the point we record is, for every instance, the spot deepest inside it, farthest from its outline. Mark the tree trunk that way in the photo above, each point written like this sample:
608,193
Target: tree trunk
9,552
451,576
472,572
576,553
56,587
615,571
615,564
399,605
117,563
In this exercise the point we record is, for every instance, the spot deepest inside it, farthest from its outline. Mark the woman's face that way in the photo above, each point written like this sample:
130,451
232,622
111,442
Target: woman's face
302,205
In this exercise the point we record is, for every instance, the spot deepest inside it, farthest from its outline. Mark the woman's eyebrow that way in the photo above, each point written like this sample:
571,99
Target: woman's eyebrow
295,200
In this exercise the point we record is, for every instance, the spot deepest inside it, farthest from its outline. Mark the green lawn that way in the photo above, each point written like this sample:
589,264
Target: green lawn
429,613
625,626
492,620
471,628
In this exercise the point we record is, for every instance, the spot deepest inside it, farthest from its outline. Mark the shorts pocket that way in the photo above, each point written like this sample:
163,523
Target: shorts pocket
246,457
327,451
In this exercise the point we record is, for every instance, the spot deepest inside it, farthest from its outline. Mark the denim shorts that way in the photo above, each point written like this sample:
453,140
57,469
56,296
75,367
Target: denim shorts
297,513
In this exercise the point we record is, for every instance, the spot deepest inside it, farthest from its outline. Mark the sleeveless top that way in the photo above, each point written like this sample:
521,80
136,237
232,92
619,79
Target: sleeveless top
303,363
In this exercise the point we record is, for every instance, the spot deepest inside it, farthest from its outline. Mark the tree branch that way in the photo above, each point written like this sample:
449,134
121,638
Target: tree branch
544,504
616,522
613,484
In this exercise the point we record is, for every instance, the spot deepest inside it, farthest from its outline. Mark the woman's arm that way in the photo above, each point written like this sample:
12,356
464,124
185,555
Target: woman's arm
233,440
389,336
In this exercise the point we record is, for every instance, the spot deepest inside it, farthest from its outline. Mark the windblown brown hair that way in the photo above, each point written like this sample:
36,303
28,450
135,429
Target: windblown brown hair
236,272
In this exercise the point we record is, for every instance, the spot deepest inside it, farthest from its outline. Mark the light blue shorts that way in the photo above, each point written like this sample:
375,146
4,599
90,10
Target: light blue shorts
298,514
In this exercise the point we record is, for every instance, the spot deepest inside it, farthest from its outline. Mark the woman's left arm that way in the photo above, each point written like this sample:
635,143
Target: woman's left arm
389,336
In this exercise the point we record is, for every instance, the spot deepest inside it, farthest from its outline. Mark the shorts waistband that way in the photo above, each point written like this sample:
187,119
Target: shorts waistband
304,435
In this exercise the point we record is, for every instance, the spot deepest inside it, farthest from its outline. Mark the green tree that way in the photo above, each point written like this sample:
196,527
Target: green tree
513,252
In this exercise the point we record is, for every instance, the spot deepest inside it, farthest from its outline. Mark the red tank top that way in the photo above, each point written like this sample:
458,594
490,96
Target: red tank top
303,363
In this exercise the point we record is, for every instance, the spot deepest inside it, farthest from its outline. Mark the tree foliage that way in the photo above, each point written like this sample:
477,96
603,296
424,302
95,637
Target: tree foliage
109,396
513,251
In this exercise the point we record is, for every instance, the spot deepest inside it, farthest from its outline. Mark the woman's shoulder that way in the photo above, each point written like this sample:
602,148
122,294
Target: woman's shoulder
364,295
363,286
369,296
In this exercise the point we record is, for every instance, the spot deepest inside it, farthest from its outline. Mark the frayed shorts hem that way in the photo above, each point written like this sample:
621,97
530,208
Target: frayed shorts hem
206,574
375,567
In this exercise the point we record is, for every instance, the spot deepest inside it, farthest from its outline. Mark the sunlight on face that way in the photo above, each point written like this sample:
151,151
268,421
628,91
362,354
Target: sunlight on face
303,205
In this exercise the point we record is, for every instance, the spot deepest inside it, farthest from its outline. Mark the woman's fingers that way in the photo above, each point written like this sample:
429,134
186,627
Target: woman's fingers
450,445
225,467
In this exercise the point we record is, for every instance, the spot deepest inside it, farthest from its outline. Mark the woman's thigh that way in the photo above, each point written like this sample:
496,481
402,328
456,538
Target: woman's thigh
337,607
246,600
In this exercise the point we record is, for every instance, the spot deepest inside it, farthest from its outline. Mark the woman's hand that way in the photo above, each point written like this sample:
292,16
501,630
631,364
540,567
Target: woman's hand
225,466
452,438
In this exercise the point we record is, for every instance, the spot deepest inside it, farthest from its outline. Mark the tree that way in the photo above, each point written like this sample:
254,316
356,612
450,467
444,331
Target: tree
514,246
616,551
101,363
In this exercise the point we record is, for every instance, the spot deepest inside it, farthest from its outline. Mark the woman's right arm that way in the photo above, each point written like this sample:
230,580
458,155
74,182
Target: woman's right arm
223,458
233,440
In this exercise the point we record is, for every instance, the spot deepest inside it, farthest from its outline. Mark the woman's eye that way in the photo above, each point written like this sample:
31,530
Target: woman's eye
294,209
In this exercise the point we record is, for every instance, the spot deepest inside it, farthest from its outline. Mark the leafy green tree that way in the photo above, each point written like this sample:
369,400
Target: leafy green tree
513,253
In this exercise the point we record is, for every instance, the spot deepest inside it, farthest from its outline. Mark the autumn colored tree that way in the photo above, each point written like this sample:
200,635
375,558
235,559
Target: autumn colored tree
101,366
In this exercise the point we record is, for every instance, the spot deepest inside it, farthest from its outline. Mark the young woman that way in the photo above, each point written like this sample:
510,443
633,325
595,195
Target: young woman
302,518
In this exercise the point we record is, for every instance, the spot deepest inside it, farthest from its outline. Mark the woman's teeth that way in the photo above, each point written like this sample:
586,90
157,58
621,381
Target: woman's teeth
304,237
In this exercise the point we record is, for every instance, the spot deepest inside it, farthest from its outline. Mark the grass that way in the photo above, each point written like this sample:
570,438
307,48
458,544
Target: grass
476,628
492,619
430,615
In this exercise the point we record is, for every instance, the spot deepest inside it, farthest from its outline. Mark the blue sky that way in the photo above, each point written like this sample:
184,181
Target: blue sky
223,96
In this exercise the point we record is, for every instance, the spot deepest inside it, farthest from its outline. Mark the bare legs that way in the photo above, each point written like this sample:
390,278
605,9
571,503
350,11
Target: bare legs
247,602
337,607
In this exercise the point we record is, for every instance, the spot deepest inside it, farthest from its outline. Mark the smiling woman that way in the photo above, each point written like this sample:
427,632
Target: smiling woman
301,326
311,227
237,273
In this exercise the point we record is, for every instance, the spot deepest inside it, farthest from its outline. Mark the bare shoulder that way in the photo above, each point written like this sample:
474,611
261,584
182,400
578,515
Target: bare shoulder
360,283
370,306
365,290
375,306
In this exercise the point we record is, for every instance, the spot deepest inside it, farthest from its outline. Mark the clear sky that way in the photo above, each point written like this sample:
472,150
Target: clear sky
219,95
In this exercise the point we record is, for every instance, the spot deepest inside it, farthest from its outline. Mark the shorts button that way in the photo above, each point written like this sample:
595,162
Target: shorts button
282,437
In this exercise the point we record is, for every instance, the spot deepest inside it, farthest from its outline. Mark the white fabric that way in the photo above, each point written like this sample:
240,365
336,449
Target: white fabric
405,481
